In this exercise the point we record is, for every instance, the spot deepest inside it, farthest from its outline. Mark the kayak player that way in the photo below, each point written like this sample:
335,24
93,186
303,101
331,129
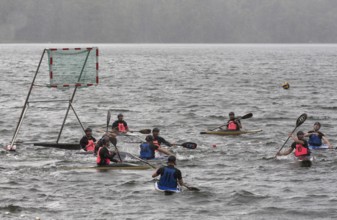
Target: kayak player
107,138
147,149
300,145
87,142
120,126
158,140
104,155
233,123
170,176
316,137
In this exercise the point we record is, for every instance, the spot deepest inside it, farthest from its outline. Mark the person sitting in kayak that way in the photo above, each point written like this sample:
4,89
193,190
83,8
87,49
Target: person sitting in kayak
147,149
87,142
120,126
158,140
107,137
316,137
170,176
300,145
104,155
233,124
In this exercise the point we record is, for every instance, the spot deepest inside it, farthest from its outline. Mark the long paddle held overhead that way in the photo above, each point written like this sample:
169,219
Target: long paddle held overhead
299,121
249,115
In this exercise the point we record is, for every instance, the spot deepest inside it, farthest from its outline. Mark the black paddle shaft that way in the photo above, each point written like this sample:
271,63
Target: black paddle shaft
299,121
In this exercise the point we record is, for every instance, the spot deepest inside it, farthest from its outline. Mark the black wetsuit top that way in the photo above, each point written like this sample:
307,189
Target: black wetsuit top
115,124
104,154
85,140
161,140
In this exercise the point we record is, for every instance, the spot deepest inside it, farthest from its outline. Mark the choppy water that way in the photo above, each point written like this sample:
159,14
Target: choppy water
182,89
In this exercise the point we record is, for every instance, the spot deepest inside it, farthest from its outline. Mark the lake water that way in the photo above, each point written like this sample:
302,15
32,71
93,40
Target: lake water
183,90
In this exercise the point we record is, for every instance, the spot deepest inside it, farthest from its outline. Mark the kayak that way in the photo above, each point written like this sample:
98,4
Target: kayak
114,166
322,147
166,189
228,132
66,146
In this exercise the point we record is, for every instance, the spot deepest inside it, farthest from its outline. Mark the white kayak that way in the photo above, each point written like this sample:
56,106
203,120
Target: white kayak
166,189
322,147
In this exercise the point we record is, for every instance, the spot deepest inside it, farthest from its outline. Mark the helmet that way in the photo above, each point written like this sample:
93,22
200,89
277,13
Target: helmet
317,123
120,115
300,133
171,159
155,130
88,129
149,138
231,113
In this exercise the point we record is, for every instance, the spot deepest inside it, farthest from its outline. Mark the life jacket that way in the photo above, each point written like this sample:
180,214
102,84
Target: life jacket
121,127
146,152
90,146
315,140
300,150
167,178
155,142
99,159
232,125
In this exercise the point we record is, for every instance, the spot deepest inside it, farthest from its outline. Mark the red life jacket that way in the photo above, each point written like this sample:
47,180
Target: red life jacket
121,127
300,150
98,159
90,146
232,125
155,142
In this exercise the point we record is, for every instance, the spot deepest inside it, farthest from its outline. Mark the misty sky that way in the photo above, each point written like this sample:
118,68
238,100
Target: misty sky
168,21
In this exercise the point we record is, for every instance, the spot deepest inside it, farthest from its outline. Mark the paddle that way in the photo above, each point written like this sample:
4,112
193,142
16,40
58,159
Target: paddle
299,121
107,130
143,131
249,115
144,161
191,188
188,145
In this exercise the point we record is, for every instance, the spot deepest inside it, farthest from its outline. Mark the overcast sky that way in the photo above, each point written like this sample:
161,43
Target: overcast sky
168,21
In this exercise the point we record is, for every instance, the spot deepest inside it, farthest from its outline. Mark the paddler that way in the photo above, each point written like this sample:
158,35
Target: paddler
316,137
120,126
233,123
158,140
300,145
147,149
104,155
107,137
87,142
170,176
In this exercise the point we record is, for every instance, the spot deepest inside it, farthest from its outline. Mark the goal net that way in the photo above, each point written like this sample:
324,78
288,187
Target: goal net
73,66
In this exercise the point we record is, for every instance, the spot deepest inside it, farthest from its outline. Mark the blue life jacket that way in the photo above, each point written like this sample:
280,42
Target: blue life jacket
315,140
146,152
167,178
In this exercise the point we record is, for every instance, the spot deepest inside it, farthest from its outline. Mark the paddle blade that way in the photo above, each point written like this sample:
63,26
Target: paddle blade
145,131
301,119
249,115
192,188
189,145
